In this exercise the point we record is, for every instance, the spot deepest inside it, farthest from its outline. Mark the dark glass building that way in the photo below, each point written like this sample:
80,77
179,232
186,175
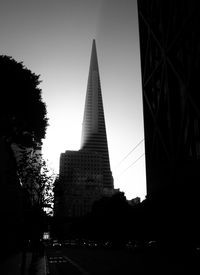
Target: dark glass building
169,35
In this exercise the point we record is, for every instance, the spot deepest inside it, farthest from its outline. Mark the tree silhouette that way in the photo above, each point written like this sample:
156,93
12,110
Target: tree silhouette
23,122
36,178
37,184
22,110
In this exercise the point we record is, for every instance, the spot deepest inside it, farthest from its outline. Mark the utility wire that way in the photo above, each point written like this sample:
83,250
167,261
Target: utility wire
132,164
130,152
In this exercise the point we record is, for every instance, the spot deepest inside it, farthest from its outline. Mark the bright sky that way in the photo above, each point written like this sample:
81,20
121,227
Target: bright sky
53,38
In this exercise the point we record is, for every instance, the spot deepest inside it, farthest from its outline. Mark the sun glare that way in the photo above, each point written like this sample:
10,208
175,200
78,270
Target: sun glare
126,174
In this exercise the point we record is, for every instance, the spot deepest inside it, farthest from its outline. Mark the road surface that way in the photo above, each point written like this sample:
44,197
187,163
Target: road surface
96,261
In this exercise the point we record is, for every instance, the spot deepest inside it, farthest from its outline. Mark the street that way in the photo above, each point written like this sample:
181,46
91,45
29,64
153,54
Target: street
81,260
91,261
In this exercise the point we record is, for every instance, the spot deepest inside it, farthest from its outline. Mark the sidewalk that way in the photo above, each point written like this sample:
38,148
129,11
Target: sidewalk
38,266
14,265
11,265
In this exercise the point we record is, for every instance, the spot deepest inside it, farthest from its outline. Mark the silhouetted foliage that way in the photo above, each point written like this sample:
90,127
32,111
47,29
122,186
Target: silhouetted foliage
23,121
22,109
37,185
11,202
37,179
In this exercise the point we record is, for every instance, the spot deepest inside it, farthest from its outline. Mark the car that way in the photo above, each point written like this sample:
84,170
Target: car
130,245
139,246
153,246
89,243
56,243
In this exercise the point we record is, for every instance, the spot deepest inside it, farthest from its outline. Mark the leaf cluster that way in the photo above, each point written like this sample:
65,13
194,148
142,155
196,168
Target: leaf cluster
21,107
36,178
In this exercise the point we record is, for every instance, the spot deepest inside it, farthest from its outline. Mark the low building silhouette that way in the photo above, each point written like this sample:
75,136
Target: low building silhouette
81,180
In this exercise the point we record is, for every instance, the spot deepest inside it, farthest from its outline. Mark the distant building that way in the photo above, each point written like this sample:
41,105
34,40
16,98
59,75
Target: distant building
81,180
134,201
85,175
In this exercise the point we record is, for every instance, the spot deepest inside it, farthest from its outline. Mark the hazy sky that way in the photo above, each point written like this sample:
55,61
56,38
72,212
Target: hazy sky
53,38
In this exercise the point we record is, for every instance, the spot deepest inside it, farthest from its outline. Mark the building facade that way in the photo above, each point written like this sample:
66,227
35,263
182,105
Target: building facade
169,37
81,180
94,137
85,175
170,63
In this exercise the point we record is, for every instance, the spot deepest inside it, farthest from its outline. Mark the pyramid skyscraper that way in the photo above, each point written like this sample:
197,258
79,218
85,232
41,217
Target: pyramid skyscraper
94,137
85,175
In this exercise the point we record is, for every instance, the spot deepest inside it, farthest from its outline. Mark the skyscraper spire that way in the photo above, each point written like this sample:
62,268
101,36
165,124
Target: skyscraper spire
93,60
94,136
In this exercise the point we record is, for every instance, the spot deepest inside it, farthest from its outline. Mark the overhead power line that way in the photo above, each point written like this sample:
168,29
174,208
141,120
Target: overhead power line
132,164
130,152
